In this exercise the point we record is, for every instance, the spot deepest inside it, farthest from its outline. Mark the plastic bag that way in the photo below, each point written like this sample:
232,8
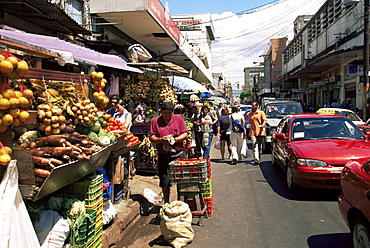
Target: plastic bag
176,224
218,143
15,224
109,212
52,230
244,150
152,197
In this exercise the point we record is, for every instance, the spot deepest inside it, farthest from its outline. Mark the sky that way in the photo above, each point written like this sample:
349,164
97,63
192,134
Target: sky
243,28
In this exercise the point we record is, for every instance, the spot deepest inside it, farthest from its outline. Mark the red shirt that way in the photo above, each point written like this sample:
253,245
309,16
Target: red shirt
176,126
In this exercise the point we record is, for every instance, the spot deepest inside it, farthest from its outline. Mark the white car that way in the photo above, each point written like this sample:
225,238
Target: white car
244,108
345,112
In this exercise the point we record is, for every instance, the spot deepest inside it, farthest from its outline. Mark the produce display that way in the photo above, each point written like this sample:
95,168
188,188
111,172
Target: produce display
99,82
85,113
11,66
148,153
51,118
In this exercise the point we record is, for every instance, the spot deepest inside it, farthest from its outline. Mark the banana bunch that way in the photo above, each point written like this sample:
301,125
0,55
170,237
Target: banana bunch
62,94
148,152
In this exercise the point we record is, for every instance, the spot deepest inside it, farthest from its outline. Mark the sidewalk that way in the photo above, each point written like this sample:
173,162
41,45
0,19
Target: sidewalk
129,211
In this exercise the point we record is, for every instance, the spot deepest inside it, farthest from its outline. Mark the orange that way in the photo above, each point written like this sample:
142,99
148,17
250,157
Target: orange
24,116
28,94
8,93
13,60
14,102
6,67
5,159
14,112
24,102
7,119
6,150
4,104
18,94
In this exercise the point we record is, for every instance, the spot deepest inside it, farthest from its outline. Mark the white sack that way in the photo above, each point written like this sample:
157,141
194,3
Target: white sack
15,224
109,211
176,223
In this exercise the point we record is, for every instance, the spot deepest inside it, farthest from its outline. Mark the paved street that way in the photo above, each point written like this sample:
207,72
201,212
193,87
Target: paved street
253,208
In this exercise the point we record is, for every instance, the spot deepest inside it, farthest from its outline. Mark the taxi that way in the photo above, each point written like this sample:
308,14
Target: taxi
312,148
353,202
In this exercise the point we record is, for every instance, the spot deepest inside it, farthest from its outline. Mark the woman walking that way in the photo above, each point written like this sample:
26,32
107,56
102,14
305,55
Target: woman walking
222,132
236,138
206,120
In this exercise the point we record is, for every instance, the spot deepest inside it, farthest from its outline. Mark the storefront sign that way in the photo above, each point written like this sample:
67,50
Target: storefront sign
320,83
314,86
298,90
156,9
355,70
189,24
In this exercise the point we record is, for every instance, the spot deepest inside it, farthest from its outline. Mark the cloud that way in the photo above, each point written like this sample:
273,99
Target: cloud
241,39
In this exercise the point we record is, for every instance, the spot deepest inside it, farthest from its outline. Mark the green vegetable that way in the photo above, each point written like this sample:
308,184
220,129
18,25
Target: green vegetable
55,203
102,132
96,127
93,136
112,137
82,129
104,141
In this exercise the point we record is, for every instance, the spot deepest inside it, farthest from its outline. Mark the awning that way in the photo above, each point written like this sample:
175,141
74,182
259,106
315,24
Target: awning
65,48
217,100
187,85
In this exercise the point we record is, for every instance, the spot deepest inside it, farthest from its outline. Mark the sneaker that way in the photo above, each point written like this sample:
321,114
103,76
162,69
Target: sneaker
222,160
234,161
256,162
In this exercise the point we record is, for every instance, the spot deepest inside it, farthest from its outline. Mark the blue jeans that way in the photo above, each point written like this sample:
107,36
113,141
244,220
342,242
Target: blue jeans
207,150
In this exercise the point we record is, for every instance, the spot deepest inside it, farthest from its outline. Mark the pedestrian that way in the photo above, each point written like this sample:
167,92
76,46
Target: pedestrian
344,105
167,130
236,138
196,132
125,117
327,104
206,120
335,104
222,132
219,109
350,105
257,119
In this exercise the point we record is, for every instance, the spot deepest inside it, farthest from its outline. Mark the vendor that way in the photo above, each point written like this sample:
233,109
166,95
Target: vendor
113,110
125,117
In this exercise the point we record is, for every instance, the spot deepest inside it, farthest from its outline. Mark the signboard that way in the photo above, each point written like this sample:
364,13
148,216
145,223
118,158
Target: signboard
189,24
298,90
313,86
162,16
355,70
320,83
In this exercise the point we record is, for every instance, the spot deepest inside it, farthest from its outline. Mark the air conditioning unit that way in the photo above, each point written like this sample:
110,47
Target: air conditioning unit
350,2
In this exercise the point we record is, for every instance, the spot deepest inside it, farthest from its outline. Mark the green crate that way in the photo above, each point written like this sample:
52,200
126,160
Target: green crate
90,189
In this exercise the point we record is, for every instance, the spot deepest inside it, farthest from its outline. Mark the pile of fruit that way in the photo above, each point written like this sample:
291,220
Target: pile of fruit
85,113
99,82
13,105
11,66
51,118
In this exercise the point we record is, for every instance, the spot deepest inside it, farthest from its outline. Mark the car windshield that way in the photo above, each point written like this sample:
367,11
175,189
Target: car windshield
246,108
349,115
324,128
282,109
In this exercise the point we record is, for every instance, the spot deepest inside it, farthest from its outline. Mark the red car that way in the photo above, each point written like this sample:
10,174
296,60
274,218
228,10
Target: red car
313,148
354,202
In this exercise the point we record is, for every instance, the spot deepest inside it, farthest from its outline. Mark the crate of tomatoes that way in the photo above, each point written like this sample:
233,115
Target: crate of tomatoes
189,170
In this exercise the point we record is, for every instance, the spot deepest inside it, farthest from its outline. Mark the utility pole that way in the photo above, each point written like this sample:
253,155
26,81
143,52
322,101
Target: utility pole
366,57
271,75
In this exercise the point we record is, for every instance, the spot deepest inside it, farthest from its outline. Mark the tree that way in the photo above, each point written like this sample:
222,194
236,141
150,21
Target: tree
245,94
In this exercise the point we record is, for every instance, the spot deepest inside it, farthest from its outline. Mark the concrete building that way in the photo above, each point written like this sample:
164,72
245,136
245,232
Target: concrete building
324,60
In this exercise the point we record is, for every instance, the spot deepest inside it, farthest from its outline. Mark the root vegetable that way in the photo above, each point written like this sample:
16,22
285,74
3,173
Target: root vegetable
52,140
41,172
50,151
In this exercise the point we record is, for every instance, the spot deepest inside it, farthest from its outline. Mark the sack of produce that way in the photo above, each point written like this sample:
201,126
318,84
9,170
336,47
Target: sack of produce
176,223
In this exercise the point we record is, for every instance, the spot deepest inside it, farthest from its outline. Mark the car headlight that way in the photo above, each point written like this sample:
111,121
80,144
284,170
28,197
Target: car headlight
311,162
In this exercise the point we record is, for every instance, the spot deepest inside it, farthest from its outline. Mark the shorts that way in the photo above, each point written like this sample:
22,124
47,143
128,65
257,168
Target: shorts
225,137
163,168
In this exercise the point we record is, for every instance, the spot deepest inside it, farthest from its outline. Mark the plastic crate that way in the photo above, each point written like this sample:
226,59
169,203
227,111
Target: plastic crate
85,232
189,171
207,189
209,203
89,190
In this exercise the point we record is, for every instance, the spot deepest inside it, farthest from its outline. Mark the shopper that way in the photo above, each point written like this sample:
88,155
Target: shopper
197,134
236,138
257,119
206,120
125,117
222,132
167,130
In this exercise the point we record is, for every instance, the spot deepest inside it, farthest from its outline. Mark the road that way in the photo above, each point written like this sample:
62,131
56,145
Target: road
253,208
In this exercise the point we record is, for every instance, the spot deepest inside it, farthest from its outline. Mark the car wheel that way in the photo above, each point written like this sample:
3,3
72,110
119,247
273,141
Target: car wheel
360,233
289,180
273,160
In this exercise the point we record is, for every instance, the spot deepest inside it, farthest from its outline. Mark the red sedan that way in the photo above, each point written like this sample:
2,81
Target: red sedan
354,202
313,148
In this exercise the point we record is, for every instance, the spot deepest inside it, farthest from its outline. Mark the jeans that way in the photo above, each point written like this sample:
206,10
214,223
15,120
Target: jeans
257,146
207,150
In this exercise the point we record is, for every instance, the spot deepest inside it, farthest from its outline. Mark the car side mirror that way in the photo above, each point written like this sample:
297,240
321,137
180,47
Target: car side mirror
281,136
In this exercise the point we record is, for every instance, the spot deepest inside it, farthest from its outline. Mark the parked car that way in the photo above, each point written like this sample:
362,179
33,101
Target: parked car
353,202
345,112
244,108
313,148
275,110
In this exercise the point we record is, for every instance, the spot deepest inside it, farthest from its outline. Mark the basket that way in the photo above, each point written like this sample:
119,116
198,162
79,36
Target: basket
89,190
189,171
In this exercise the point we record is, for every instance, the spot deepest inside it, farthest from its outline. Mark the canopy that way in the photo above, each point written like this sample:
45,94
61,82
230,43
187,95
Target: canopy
185,84
217,100
68,50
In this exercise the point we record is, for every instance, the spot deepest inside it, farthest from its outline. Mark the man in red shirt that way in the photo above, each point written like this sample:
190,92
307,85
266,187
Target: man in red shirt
161,129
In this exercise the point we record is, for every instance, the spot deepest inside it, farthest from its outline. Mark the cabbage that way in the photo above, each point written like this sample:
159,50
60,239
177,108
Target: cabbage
112,137
93,136
102,132
96,127
104,141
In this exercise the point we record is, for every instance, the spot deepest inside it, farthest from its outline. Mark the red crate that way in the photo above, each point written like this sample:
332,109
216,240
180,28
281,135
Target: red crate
209,203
